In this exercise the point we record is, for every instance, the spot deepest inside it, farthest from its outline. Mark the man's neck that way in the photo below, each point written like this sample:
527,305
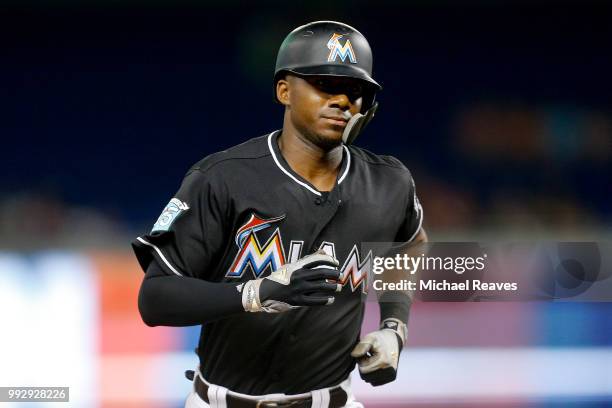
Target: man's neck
318,166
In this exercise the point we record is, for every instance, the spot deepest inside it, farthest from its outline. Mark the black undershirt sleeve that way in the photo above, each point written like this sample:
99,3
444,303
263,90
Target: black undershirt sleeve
394,305
397,304
172,300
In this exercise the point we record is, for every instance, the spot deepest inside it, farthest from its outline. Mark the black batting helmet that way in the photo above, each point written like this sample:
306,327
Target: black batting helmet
328,48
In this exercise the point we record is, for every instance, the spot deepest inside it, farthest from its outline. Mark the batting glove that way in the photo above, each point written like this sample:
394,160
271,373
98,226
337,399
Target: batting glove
378,352
294,285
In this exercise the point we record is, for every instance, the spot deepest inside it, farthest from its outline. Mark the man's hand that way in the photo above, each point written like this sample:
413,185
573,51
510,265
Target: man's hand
294,285
378,353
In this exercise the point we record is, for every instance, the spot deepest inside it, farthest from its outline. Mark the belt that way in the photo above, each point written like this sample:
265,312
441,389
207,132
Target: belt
337,399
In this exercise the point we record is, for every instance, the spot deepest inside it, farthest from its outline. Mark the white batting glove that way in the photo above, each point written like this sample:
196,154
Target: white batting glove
310,281
378,352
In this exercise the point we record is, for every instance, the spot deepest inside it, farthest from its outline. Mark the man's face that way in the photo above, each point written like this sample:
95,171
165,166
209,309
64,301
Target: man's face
320,106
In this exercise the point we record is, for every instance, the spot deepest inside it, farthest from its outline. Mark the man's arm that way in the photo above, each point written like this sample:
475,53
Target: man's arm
172,300
378,352
396,304
166,300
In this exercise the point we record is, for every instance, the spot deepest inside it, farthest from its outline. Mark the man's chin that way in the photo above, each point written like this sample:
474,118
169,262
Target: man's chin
329,138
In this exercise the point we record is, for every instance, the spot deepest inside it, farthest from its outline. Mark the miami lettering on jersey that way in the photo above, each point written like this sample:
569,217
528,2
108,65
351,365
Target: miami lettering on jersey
258,258
338,50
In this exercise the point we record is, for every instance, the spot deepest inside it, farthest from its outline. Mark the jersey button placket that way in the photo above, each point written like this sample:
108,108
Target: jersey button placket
328,208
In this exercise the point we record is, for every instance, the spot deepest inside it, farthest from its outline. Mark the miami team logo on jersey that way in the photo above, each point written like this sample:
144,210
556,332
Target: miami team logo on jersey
170,213
336,49
251,253
356,270
258,257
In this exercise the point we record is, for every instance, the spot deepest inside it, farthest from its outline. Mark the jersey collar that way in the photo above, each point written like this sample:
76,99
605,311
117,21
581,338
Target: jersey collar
280,162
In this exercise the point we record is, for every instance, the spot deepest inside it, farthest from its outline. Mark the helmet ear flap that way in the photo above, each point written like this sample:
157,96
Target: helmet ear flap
368,99
356,124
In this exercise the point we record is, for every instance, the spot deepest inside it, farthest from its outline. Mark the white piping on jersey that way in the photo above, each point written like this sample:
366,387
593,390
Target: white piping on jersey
312,190
348,164
301,183
163,258
419,227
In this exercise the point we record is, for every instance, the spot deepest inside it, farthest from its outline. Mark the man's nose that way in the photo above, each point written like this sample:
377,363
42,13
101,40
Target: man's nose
340,101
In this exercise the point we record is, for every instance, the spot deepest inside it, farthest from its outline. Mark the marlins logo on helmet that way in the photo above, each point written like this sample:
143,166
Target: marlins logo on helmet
338,50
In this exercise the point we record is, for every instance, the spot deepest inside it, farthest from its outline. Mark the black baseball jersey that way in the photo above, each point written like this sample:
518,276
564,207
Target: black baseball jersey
242,213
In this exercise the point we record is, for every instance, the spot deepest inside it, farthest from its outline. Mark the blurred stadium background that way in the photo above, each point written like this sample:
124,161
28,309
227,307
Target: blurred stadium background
502,110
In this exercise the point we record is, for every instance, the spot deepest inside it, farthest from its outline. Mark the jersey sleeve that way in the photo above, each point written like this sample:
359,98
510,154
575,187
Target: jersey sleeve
413,219
188,235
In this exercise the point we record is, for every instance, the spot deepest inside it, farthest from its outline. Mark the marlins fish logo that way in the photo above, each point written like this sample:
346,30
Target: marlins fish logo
254,255
338,50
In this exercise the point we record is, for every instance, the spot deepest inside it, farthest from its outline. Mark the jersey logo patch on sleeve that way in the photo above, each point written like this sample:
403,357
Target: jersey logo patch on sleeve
170,213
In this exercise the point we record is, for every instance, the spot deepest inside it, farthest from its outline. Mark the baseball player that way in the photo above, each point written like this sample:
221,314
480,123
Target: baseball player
261,245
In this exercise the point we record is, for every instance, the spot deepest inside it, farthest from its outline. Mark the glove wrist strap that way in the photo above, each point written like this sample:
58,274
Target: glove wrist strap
250,296
397,326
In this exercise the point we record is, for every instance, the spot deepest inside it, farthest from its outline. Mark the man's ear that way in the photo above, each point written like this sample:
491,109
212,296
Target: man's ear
282,91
